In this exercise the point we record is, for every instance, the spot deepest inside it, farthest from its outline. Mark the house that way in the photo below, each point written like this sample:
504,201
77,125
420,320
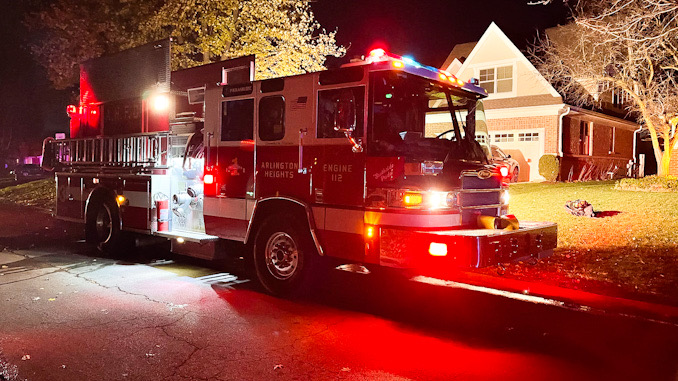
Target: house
527,118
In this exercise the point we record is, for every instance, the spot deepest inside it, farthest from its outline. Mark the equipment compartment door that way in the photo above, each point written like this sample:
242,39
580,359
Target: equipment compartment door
69,197
186,184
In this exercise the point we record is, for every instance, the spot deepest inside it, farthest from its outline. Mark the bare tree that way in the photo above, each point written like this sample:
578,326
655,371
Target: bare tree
620,45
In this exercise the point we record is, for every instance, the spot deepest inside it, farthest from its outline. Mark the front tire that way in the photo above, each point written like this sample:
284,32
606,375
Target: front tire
284,256
102,229
516,174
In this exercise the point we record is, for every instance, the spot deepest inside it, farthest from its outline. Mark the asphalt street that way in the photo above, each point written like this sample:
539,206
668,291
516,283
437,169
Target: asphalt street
66,314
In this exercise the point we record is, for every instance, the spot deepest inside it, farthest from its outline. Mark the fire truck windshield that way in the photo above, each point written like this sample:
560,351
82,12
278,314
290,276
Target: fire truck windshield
410,117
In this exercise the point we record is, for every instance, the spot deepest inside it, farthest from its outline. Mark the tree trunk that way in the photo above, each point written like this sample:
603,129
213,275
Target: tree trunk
663,166
664,162
659,158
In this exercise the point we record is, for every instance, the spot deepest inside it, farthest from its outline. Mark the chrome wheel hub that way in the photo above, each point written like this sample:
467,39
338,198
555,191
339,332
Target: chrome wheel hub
282,256
104,224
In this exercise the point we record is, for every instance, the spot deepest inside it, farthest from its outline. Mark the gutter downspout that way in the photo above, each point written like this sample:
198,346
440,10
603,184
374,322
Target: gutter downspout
635,142
560,130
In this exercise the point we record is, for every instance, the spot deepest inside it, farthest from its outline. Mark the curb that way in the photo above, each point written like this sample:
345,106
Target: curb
558,296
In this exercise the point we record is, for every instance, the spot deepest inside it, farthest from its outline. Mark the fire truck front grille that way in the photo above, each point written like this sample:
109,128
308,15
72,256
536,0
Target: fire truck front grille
470,180
475,198
479,196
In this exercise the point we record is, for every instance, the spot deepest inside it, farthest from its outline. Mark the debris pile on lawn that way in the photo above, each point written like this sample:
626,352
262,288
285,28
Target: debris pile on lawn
580,208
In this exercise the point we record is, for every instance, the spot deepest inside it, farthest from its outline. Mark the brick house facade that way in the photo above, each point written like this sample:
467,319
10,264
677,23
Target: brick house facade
527,118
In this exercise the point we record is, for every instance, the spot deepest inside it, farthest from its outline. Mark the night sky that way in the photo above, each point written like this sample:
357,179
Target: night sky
426,30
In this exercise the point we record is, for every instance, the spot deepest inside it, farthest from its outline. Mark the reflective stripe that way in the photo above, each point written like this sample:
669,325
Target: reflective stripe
138,199
250,209
335,219
319,217
235,208
344,220
412,220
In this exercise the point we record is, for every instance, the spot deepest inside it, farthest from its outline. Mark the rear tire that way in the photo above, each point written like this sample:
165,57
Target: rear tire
102,229
284,256
516,174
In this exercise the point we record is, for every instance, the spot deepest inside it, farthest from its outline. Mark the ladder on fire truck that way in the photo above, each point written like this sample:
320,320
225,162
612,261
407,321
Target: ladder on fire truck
135,152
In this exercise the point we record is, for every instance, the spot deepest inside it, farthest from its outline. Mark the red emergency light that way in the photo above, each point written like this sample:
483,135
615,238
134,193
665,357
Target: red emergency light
377,53
437,249
72,109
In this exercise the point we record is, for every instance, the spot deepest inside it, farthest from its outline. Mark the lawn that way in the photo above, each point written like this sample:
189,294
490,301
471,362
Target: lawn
632,254
39,193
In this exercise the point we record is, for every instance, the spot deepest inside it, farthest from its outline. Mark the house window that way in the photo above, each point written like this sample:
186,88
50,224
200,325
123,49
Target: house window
503,138
584,138
617,96
528,137
481,138
497,80
620,98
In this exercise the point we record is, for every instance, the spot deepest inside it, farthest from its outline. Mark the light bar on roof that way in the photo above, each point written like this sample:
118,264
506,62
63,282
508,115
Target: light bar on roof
398,62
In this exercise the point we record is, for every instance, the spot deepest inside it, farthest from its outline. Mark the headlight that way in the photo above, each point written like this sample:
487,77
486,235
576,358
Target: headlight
504,197
437,200
424,200
452,199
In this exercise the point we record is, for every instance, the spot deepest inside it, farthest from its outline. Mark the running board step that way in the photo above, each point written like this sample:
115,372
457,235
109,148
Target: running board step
188,236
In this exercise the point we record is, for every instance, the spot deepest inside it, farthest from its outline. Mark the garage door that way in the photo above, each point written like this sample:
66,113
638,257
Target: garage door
525,146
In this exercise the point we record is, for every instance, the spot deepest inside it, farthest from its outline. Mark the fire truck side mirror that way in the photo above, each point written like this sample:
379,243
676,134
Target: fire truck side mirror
345,118
345,114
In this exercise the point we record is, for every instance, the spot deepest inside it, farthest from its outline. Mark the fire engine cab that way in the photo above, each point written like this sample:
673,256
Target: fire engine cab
382,162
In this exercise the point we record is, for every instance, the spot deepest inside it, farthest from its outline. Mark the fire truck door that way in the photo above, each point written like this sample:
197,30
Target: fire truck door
340,128
235,151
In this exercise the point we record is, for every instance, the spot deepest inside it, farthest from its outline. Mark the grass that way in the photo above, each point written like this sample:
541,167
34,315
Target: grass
633,253
39,193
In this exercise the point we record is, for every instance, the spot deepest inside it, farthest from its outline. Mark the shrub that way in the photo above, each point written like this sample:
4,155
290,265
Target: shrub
549,167
649,184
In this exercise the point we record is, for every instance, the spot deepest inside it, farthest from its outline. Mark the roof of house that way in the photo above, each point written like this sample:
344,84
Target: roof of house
460,52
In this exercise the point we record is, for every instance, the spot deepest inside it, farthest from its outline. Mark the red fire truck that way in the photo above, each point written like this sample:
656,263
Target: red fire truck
382,162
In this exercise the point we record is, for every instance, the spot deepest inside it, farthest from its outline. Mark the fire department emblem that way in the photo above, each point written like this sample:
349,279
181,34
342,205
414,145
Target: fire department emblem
484,174
235,169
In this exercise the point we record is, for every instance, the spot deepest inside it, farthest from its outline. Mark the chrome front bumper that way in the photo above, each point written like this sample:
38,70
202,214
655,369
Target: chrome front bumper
470,248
